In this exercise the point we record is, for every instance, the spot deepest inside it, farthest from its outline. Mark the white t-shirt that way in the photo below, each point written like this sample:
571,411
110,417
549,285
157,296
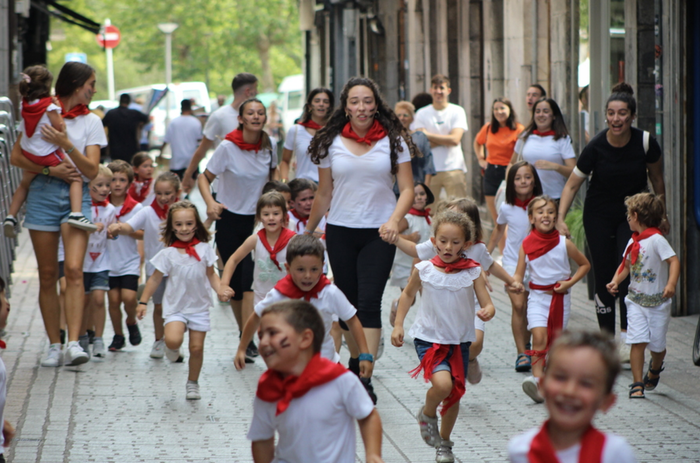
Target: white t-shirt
550,267
86,131
330,303
124,255
615,450
317,427
445,158
184,134
649,275
35,144
242,175
299,227
148,221
265,273
518,228
220,123
97,257
298,140
446,312
188,290
403,263
363,195
539,148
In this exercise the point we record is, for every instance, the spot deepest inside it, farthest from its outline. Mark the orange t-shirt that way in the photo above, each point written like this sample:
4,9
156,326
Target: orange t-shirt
499,145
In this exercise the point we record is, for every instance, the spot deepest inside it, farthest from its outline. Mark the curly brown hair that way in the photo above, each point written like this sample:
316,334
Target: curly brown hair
201,233
384,114
649,208
39,85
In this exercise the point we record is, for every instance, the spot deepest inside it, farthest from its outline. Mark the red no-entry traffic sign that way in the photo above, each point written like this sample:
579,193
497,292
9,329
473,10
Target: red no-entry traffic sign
109,37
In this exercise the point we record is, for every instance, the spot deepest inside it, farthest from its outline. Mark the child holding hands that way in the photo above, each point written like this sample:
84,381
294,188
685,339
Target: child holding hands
444,327
653,268
189,263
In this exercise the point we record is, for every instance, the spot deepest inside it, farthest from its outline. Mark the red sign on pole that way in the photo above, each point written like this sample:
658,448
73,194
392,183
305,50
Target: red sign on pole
109,37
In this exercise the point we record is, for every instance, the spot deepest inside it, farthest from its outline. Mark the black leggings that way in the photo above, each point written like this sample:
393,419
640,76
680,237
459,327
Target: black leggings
231,231
607,240
361,263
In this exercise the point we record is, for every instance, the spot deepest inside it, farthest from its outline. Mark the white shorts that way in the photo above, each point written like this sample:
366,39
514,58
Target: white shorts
526,278
648,324
193,321
538,309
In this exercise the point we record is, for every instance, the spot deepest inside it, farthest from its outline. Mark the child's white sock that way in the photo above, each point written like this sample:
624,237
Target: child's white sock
77,214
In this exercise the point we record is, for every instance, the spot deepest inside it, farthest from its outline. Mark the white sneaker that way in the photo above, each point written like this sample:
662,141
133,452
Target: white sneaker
174,355
474,372
380,348
158,349
98,348
193,391
75,355
530,388
54,356
443,453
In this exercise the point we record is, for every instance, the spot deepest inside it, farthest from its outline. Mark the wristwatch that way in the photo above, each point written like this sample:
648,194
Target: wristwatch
46,171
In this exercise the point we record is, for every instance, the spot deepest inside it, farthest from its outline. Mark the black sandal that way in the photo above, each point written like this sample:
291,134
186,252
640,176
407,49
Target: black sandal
651,383
636,388
523,363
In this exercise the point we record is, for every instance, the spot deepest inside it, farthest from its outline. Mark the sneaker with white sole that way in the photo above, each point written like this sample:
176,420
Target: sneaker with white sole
98,348
428,428
54,356
530,388
75,355
474,372
84,342
81,222
158,349
10,227
193,390
174,355
443,453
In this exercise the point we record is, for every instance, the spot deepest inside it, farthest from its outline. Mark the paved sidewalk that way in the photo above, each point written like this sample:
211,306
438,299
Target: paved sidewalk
131,408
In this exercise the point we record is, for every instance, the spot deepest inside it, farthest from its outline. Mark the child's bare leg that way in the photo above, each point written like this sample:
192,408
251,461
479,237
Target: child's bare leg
657,361
128,296
637,361
337,334
196,354
158,321
448,421
477,346
99,314
247,305
441,387
75,193
519,320
539,342
115,312
20,195
174,334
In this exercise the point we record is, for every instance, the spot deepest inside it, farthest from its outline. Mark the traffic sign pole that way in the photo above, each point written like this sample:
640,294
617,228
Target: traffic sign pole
110,64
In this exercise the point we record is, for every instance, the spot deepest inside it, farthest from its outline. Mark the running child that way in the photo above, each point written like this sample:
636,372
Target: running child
96,264
654,269
269,246
303,194
444,326
150,219
124,259
522,184
578,383
38,108
188,260
545,256
312,403
142,187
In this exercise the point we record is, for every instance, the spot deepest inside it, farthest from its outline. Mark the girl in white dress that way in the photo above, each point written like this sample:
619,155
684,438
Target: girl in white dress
444,327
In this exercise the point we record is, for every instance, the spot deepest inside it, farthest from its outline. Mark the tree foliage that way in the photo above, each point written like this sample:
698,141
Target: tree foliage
221,37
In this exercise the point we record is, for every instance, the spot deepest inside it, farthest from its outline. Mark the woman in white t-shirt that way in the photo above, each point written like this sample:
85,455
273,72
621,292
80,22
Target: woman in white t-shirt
317,110
48,207
244,161
359,151
546,144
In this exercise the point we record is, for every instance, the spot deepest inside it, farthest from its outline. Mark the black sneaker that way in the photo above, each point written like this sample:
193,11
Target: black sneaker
134,334
117,343
367,383
251,352
63,337
91,336
354,366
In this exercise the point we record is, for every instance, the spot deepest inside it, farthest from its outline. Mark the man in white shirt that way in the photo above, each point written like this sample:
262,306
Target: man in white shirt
444,124
184,134
221,122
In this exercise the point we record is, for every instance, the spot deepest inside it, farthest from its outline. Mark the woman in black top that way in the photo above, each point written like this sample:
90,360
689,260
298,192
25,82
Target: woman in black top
618,160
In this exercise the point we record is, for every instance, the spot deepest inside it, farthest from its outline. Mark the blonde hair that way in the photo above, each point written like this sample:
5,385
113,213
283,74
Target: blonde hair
408,106
649,208
455,218
168,231
104,171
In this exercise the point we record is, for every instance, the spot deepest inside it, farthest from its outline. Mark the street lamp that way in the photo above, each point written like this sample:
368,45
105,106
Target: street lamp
168,29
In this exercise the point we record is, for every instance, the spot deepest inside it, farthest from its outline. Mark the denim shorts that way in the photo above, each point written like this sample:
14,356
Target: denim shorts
423,346
48,204
97,280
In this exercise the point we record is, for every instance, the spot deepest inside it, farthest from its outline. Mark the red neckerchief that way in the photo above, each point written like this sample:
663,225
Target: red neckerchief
376,132
555,319
188,247
633,249
285,235
3,345
77,110
301,219
459,264
523,204
31,114
433,357
97,204
542,451
139,189
161,212
272,387
424,213
236,137
537,244
544,134
288,289
127,206
310,124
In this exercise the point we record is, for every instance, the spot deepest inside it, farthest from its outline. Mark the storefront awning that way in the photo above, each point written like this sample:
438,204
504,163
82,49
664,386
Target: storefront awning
66,14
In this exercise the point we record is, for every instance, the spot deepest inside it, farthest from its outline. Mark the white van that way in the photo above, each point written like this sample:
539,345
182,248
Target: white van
292,99
195,91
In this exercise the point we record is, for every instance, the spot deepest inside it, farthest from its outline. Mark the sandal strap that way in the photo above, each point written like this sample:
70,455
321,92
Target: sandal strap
657,372
636,385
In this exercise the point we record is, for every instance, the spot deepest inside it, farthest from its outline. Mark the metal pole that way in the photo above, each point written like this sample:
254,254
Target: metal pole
110,66
168,75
